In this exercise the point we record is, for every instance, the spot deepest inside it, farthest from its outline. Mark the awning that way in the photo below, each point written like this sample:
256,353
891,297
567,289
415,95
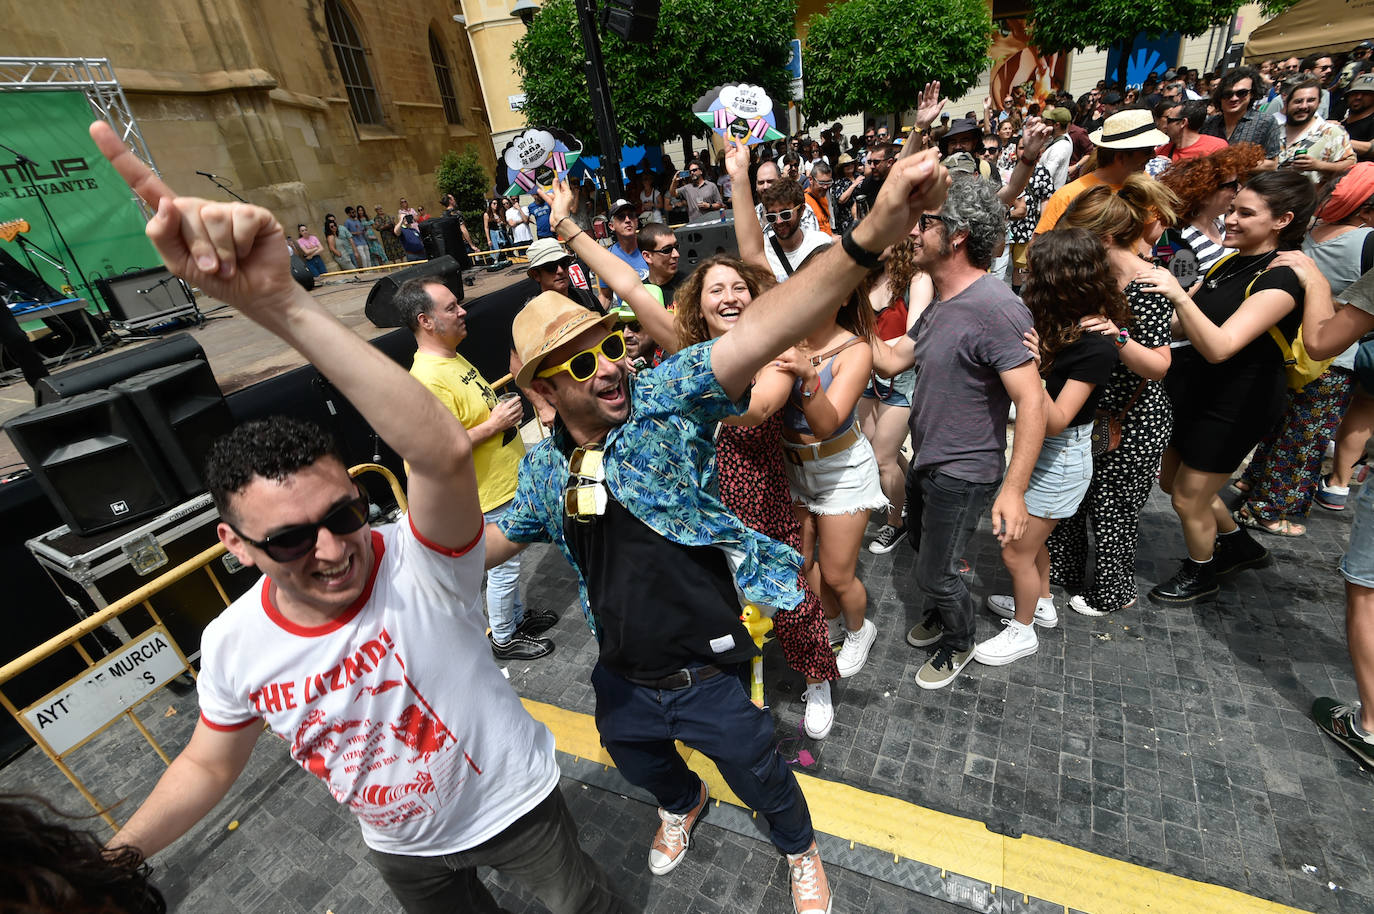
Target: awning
1312,26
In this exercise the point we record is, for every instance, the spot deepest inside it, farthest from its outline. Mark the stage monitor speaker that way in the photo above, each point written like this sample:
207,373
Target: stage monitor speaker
143,296
94,461
115,368
633,20
698,242
444,235
184,412
301,273
378,308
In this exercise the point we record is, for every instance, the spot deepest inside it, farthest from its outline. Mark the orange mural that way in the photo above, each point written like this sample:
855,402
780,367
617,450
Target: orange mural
1016,64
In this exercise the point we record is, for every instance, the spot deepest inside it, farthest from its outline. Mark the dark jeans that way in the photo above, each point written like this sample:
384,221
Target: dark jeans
540,849
716,718
942,513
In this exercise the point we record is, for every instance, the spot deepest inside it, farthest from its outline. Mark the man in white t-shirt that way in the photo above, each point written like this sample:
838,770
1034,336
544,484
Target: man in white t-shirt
363,649
519,221
783,204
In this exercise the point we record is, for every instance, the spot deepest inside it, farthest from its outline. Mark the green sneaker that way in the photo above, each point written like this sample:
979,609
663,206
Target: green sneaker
928,632
942,667
1342,723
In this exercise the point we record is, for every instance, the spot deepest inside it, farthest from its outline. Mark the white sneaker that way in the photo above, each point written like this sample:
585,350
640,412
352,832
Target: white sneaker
854,654
1046,616
1079,604
820,712
1011,643
836,630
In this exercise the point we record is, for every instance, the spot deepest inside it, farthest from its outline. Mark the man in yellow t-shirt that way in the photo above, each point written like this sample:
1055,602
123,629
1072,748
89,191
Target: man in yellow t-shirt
434,315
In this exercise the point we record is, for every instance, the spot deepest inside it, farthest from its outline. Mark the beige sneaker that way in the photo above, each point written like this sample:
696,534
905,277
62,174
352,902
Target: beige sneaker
674,835
810,889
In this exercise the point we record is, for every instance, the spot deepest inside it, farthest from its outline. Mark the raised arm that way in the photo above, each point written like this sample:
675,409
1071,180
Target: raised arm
1326,332
785,314
748,232
614,272
1034,135
235,253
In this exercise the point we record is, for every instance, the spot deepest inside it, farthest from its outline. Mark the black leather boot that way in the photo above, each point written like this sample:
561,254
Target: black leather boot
1193,583
1237,551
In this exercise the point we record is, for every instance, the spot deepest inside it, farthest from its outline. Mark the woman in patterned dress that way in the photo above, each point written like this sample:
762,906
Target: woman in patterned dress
1123,477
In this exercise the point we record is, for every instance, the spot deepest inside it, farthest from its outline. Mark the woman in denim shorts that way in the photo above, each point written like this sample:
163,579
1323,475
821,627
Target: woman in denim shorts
1070,279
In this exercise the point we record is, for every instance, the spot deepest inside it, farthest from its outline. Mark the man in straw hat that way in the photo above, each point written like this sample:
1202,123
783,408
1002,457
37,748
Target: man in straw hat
624,489
363,648
1125,142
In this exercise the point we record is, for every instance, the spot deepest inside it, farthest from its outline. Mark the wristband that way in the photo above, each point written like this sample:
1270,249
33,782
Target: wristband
569,239
808,394
858,253
1123,336
1028,162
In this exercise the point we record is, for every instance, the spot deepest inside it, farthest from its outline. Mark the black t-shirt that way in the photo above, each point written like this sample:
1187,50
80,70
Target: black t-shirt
1219,303
659,606
1090,359
1362,130
669,288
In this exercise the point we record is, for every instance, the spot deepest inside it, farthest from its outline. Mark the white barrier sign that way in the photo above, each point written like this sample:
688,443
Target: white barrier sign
111,686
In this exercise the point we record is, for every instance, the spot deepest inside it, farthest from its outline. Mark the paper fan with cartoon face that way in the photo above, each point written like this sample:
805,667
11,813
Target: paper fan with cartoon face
741,111
535,156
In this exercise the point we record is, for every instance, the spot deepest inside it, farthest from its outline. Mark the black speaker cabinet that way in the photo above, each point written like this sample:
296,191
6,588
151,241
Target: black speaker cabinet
698,242
444,235
115,368
184,412
145,297
378,308
93,458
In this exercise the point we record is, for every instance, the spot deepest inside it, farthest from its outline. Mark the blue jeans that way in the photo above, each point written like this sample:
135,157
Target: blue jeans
505,609
316,265
942,513
540,849
638,725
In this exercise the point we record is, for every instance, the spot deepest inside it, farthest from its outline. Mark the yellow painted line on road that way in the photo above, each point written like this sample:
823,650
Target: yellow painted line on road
1054,872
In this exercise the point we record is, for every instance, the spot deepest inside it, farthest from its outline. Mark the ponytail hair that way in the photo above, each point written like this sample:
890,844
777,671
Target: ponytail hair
1121,216
1287,191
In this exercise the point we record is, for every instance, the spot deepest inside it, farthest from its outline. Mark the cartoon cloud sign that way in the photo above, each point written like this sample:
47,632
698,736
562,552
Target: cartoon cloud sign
532,159
741,111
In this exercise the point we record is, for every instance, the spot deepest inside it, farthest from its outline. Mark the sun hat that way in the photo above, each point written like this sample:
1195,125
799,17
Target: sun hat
547,322
546,251
1133,128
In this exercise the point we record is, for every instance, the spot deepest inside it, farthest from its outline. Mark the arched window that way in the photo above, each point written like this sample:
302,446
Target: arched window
445,80
352,58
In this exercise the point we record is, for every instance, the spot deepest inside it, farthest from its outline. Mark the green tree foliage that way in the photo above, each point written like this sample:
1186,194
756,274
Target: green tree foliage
462,175
699,44
1072,25
876,55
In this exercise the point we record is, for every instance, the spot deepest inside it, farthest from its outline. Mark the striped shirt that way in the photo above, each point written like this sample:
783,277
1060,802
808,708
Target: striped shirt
1208,251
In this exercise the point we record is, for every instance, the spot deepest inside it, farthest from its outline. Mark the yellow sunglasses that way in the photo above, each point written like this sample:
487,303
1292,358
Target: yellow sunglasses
583,365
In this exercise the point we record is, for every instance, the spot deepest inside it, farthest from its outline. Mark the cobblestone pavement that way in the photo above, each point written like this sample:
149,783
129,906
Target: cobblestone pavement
1177,739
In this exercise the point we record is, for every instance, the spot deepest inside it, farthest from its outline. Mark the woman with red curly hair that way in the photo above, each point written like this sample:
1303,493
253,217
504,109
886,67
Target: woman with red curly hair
1205,186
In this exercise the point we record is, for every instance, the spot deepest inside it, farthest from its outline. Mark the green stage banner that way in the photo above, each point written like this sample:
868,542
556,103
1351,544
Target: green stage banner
93,208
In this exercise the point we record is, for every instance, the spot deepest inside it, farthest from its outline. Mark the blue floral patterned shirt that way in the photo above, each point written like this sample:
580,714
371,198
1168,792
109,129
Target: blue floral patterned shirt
660,464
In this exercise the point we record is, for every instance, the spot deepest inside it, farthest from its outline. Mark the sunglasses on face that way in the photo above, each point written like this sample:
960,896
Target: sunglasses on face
554,267
1174,120
929,219
1229,185
295,542
781,216
670,249
990,150
1235,93
583,365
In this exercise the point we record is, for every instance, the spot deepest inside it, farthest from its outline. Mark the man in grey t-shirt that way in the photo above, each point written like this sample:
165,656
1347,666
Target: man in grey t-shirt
972,364
703,199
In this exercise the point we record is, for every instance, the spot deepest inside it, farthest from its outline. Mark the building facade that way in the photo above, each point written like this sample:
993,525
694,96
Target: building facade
304,105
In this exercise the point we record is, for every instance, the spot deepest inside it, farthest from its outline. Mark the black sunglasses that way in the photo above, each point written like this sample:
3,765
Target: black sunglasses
294,542
1229,185
990,150
1175,120
670,249
929,219
1234,93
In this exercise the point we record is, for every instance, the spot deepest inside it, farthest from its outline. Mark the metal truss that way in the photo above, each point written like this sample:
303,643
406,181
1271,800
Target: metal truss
92,75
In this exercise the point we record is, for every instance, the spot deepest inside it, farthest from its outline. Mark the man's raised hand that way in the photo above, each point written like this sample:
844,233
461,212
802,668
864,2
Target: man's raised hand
234,252
1035,136
914,185
560,200
737,159
929,106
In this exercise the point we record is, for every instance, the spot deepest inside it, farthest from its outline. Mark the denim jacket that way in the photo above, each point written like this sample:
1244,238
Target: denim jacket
661,465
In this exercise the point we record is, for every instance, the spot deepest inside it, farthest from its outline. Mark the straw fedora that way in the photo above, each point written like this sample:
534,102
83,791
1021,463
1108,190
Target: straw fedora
547,322
1133,128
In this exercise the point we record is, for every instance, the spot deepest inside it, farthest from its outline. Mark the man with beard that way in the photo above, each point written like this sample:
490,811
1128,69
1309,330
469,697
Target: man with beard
703,199
1311,143
973,367
1359,118
1235,122
783,204
765,176
626,491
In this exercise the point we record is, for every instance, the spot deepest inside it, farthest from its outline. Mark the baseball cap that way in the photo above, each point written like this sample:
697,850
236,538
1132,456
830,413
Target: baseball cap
546,251
621,204
1056,115
1362,83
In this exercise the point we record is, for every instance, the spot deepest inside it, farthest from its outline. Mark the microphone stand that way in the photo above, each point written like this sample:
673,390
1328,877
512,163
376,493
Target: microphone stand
214,179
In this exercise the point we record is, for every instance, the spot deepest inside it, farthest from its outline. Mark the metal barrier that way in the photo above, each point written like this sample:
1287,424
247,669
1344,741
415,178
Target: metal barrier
111,687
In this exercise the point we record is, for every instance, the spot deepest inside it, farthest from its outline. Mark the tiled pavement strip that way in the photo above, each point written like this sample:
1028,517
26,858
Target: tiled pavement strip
1175,740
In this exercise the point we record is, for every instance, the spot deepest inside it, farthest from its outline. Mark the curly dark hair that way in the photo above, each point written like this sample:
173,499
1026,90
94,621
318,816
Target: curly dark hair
1070,278
1287,191
272,448
49,868
1194,181
783,192
901,265
691,326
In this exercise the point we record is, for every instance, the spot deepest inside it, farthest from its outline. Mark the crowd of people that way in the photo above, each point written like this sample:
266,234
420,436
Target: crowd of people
363,241
720,440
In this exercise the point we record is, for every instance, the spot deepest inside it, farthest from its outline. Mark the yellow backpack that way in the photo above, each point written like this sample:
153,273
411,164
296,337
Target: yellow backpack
1299,367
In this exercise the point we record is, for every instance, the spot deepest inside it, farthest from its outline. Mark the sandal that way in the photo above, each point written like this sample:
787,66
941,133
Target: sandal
1241,486
1282,527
